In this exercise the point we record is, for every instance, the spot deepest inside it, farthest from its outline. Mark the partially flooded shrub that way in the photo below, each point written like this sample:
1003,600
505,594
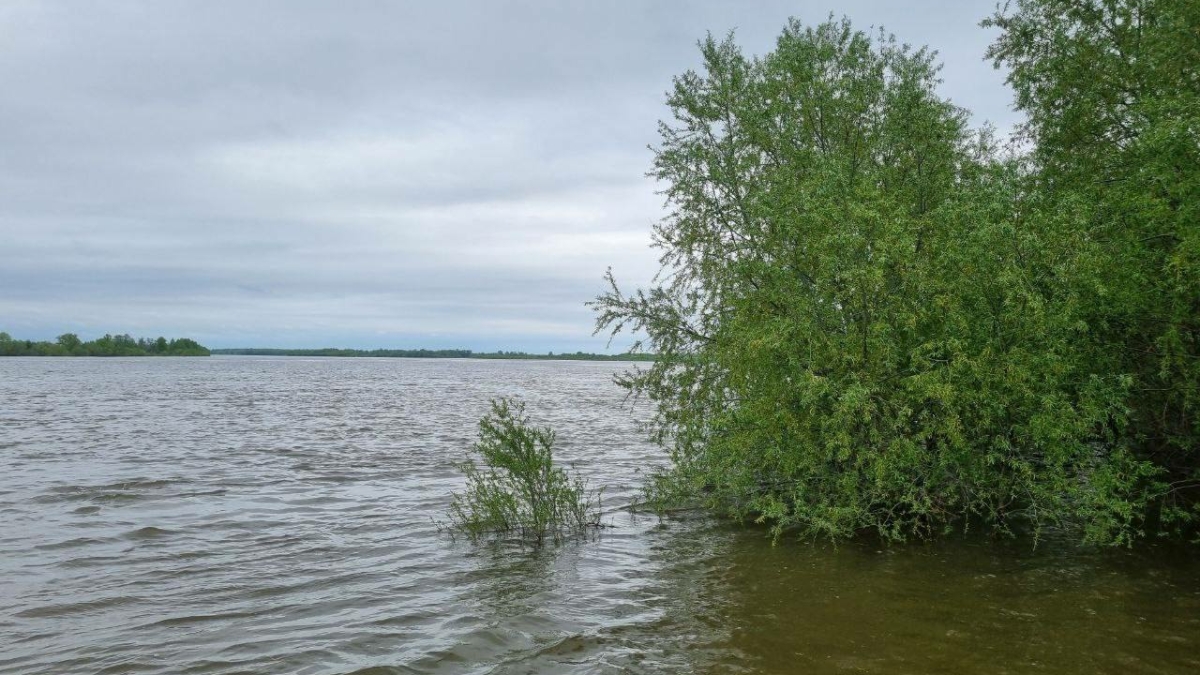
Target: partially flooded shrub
516,489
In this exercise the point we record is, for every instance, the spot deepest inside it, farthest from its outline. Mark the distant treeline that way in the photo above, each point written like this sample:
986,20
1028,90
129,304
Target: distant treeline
435,354
69,344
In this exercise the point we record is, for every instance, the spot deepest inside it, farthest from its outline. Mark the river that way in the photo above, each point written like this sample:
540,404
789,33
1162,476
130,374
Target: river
279,515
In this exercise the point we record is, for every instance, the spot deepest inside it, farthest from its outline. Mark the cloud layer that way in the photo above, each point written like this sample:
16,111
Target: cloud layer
359,174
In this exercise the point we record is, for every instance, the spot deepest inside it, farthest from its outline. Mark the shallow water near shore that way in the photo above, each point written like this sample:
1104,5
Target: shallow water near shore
276,515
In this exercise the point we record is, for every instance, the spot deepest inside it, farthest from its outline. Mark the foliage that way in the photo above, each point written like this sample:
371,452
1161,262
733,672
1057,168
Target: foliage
518,490
869,318
1112,94
69,344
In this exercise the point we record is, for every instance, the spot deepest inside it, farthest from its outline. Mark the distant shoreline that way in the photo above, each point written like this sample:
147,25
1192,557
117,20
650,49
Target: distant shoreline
431,354
70,345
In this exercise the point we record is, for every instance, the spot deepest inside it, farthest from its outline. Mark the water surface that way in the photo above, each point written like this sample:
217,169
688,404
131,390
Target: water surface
276,515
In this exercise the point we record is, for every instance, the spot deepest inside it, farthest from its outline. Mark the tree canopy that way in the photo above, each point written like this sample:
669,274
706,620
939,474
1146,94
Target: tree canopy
869,317
69,344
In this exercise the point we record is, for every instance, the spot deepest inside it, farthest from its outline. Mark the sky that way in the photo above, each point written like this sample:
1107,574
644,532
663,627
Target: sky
363,174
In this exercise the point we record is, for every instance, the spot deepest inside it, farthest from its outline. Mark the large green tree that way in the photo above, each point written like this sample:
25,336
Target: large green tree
866,319
1112,93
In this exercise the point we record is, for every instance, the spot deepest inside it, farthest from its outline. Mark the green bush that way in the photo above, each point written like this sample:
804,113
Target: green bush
518,490
869,318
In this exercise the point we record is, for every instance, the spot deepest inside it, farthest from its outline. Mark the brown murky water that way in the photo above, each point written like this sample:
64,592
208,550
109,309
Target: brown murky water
248,515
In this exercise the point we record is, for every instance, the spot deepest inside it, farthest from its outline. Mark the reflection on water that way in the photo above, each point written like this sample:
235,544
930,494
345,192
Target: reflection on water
248,515
961,607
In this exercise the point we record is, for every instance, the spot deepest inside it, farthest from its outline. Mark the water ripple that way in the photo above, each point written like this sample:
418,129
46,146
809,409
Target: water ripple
257,515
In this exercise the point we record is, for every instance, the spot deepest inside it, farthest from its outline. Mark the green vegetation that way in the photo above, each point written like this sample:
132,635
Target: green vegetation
69,344
435,354
518,490
871,318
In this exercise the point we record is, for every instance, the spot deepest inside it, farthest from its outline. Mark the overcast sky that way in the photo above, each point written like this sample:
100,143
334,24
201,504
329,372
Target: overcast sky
361,174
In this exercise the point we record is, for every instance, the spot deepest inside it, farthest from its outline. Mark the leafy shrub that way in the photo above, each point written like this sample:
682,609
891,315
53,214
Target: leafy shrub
518,490
870,318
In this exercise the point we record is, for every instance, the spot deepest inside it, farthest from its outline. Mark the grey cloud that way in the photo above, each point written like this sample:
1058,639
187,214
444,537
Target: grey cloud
359,173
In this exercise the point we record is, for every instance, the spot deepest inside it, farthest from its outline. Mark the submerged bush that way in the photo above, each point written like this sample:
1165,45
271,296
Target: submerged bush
518,490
